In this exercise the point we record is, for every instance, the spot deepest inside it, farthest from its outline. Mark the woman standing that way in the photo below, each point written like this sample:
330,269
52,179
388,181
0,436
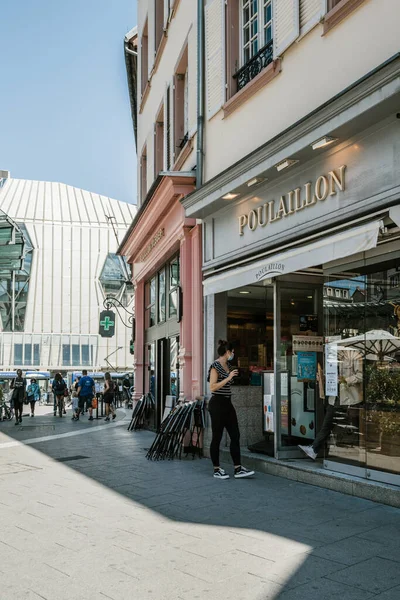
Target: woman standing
223,413
33,393
59,386
109,396
18,385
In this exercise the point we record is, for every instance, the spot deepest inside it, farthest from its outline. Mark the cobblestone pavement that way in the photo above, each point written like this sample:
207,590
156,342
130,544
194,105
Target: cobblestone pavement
85,516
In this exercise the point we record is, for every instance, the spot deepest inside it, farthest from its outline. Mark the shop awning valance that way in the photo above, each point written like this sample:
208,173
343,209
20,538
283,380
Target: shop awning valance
325,249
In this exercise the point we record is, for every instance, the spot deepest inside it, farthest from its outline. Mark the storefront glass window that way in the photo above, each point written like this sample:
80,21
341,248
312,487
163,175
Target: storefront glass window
174,280
150,303
174,367
161,296
363,333
151,360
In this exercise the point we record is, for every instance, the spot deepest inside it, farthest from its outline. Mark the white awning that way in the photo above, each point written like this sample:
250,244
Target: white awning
325,249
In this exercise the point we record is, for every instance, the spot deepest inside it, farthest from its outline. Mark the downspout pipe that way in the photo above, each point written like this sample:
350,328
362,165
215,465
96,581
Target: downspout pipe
200,93
129,51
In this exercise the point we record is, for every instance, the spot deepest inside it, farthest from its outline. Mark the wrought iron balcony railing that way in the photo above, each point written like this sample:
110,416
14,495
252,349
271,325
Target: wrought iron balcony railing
262,59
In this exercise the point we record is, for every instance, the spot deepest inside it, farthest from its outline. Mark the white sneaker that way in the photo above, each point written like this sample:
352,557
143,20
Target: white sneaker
309,450
242,472
221,474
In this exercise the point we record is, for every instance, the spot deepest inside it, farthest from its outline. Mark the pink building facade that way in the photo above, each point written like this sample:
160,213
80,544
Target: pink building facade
164,250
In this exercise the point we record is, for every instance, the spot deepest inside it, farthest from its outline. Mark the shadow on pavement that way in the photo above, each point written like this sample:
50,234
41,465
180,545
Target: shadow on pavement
295,541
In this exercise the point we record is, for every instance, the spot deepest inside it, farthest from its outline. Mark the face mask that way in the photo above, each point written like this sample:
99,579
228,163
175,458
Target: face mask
231,357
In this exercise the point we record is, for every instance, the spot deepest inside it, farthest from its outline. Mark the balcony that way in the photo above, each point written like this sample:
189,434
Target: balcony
250,70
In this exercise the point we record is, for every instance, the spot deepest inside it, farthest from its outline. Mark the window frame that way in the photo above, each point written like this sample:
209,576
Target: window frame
261,26
174,288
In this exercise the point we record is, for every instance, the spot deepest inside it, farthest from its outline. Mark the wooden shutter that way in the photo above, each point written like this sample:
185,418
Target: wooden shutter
311,13
192,80
167,129
150,158
166,12
286,24
151,32
215,56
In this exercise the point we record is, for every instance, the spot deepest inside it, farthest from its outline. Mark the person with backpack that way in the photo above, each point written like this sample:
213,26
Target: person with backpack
109,393
59,387
86,391
33,394
18,385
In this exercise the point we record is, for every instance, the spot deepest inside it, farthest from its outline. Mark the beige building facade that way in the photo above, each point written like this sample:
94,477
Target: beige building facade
299,195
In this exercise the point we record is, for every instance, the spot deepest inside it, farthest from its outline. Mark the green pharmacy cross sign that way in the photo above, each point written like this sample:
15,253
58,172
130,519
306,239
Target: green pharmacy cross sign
107,323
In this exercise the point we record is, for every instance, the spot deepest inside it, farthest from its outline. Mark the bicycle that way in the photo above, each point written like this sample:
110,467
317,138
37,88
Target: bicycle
7,411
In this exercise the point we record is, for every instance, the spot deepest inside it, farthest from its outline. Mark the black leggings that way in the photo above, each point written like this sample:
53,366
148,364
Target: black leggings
223,416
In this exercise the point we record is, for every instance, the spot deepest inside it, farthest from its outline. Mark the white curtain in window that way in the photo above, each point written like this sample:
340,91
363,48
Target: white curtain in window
286,23
215,55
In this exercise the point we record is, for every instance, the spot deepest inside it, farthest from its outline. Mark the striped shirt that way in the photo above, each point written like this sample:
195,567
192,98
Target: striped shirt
222,374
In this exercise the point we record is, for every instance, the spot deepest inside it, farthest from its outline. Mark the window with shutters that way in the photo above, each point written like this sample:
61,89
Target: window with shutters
143,174
144,57
181,126
256,26
159,22
167,129
249,41
159,142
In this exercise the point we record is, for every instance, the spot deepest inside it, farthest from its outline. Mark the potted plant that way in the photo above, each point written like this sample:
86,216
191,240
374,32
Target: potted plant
383,409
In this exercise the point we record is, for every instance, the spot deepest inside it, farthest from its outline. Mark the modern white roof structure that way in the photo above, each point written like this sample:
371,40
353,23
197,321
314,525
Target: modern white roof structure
58,202
49,307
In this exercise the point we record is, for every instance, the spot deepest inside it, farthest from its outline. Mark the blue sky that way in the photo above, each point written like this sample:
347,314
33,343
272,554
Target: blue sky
64,104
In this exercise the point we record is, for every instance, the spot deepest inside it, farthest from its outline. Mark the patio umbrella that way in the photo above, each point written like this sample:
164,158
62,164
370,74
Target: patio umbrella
377,342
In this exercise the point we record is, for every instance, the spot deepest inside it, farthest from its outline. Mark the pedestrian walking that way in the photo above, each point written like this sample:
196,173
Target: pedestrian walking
86,391
59,390
109,394
223,413
75,398
18,385
126,387
33,394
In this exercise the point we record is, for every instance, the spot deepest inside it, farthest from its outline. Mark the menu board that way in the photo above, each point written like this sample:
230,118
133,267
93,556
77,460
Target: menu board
307,343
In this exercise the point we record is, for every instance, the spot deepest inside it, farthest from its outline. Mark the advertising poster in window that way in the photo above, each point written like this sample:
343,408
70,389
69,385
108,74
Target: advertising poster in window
306,366
331,366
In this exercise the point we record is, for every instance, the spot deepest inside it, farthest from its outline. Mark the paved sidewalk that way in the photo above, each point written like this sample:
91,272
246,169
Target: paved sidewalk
84,516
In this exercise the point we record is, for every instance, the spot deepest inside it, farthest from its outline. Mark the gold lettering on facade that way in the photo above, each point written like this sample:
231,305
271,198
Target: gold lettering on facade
291,197
252,220
272,218
321,195
262,221
293,201
282,212
339,181
242,223
298,202
159,235
310,199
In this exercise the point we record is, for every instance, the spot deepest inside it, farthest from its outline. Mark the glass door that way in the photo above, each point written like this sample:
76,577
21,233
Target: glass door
298,359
